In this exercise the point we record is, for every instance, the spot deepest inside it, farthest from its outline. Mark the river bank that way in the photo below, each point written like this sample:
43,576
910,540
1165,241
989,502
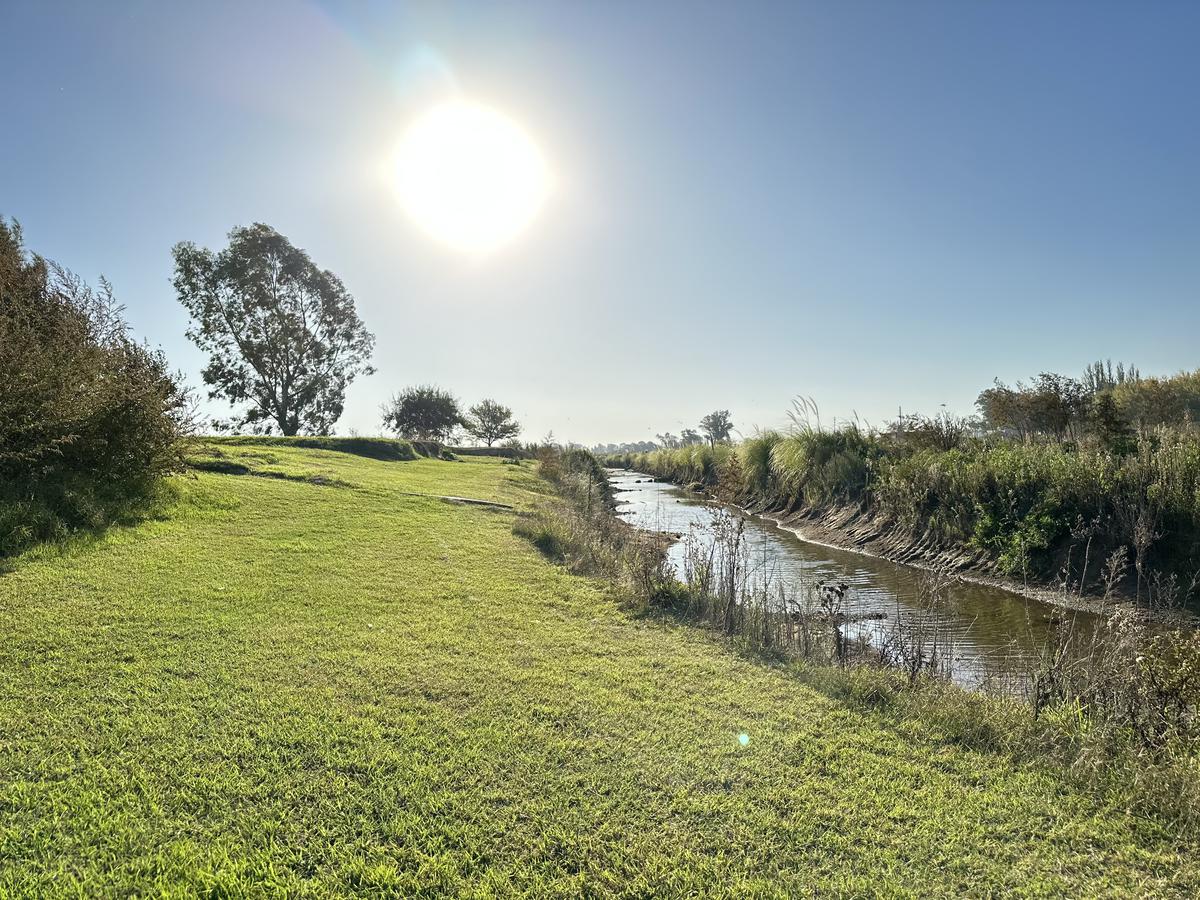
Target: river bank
851,529
1035,515
994,637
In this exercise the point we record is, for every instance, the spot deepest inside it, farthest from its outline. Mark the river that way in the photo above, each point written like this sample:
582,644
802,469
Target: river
996,635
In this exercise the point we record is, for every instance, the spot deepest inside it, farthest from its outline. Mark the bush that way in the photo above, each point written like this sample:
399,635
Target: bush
90,420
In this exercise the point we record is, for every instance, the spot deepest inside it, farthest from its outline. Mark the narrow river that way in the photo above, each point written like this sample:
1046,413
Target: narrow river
996,636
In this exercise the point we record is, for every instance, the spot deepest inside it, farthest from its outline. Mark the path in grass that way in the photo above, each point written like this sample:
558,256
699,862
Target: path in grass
293,688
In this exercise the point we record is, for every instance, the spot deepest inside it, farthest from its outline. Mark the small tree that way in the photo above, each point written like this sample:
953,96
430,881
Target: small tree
489,422
423,413
282,335
1110,426
717,426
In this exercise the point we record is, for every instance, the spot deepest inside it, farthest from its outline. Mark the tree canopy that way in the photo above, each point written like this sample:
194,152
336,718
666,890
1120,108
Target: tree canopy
282,334
425,413
717,426
489,421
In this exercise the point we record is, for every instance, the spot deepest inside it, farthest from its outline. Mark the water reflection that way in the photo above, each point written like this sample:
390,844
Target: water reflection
996,635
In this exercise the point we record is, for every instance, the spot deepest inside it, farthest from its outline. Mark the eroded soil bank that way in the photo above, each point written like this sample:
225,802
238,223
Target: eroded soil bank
848,528
851,529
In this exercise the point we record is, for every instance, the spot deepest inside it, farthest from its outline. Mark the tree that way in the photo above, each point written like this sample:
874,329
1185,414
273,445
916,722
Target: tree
281,334
689,436
1053,405
1101,376
488,421
1110,426
423,413
716,426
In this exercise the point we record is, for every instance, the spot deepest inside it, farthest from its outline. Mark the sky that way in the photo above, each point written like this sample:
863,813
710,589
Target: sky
878,205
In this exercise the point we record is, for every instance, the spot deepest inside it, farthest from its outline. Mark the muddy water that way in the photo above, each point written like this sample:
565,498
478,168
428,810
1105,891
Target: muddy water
994,635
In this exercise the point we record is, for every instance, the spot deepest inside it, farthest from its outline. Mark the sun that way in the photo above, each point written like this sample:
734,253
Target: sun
470,177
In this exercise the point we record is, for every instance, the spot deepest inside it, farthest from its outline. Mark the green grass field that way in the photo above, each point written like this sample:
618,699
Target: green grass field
318,684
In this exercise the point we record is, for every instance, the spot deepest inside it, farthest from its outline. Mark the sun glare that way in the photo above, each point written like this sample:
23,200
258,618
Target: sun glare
470,177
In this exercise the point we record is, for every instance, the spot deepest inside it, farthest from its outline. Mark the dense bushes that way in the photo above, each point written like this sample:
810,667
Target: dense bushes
1035,509
89,419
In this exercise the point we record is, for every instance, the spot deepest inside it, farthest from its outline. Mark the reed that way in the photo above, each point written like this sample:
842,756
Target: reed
1024,507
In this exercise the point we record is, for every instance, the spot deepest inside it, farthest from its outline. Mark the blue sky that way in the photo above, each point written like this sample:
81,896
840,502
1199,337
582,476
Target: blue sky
876,204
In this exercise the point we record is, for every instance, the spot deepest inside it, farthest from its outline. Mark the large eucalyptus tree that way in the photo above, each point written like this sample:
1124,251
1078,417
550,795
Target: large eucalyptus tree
282,334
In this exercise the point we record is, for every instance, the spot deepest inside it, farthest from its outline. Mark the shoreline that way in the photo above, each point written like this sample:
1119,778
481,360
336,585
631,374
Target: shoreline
838,540
845,530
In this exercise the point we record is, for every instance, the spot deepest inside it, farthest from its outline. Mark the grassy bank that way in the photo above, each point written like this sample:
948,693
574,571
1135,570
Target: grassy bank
1034,510
316,683
390,449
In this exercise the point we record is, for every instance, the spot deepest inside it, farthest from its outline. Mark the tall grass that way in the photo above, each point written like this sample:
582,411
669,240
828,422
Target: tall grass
754,457
699,464
1048,511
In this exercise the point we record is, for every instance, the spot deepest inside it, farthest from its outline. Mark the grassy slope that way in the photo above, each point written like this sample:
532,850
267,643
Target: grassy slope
300,688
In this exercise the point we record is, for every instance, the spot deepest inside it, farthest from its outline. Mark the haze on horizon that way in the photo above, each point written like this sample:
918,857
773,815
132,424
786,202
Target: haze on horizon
872,204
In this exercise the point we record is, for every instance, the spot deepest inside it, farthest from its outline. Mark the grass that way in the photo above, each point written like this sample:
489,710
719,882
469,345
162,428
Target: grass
322,685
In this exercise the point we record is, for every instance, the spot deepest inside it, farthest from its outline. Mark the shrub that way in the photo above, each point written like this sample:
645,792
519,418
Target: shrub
754,455
89,419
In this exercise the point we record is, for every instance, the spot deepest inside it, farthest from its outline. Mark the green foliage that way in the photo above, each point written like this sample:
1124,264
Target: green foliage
282,335
1027,506
577,461
818,468
1110,426
90,420
489,421
754,457
423,413
1053,405
1151,402
717,426
694,464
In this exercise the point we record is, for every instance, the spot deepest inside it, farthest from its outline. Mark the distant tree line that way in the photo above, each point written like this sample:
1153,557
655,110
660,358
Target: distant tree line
627,447
714,428
1111,404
